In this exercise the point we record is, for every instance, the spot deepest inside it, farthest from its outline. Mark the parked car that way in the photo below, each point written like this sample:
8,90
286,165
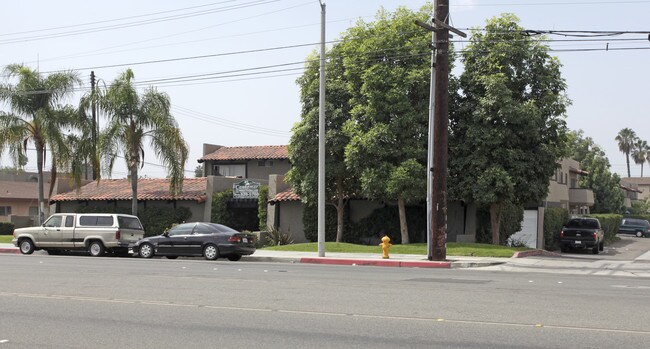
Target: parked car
638,227
96,233
582,233
209,240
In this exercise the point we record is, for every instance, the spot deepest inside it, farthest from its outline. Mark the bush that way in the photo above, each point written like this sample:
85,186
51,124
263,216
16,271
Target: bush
274,237
155,220
6,228
610,224
554,220
310,222
385,221
220,212
511,220
262,206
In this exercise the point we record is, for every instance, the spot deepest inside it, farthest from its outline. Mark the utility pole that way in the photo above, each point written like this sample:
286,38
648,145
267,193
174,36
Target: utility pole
440,93
321,139
94,116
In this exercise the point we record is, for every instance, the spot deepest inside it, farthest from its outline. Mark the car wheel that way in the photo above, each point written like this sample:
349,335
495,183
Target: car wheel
26,246
639,234
171,257
596,249
146,250
210,252
96,248
234,257
601,246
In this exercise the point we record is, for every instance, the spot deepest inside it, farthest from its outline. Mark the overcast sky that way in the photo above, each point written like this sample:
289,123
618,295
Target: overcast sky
233,100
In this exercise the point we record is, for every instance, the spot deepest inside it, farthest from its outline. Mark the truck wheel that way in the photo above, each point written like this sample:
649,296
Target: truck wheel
26,246
639,234
563,248
96,248
596,249
601,246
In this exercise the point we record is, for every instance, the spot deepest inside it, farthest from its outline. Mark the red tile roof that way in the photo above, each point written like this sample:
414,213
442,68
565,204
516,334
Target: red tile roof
287,195
148,189
248,153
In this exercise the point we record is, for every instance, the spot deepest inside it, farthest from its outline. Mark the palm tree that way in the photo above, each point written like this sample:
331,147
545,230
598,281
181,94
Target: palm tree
626,138
640,152
134,118
35,117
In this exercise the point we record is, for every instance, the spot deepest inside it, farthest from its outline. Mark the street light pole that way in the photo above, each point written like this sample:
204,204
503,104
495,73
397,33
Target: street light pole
321,139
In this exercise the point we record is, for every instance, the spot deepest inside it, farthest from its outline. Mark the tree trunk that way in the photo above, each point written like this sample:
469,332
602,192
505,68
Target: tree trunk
495,221
642,170
40,149
134,190
627,159
340,205
402,220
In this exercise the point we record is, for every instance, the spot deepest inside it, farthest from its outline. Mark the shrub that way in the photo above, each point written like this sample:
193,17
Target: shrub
610,224
155,220
554,220
274,237
511,220
385,221
310,222
6,228
262,206
220,212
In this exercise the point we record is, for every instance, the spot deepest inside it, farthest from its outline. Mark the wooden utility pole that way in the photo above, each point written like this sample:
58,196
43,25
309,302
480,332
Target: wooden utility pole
438,246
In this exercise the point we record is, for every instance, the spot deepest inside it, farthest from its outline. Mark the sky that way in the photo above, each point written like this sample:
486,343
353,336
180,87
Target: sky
230,66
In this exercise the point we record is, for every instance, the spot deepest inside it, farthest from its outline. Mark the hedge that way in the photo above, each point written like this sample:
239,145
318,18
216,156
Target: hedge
610,224
155,220
6,228
554,220
220,212
262,206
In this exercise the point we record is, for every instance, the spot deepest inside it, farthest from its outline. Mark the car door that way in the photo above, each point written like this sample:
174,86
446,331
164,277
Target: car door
175,242
202,233
50,234
67,232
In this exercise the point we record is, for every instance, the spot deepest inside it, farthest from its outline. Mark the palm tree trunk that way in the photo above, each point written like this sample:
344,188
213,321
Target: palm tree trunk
41,197
402,220
627,158
134,190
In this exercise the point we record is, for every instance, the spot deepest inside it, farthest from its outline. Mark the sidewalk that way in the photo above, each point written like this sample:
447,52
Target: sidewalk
372,259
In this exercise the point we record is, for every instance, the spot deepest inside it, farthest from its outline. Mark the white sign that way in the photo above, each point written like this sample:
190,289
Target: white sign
245,190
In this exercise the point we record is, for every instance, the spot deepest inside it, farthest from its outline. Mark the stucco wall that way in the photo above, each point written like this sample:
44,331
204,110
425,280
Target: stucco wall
195,208
290,220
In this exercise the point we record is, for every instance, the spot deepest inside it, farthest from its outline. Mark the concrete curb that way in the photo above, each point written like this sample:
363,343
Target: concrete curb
523,254
378,263
474,264
9,250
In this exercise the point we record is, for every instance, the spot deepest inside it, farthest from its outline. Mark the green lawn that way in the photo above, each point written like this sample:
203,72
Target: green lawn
453,249
5,239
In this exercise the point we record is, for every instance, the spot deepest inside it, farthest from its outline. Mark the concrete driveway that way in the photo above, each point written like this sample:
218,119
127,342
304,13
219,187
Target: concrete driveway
628,248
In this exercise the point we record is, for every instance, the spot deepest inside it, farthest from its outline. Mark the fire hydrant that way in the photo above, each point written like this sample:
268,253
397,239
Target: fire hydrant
385,245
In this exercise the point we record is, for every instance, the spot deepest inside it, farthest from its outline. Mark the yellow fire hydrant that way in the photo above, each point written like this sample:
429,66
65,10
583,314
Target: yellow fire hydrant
385,245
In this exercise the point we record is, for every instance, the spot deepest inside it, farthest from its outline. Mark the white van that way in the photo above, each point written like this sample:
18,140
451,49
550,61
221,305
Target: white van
96,233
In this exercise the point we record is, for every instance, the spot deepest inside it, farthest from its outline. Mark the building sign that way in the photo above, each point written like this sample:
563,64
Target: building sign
245,190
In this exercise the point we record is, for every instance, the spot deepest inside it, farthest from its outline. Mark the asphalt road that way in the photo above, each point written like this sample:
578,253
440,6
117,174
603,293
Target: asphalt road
82,302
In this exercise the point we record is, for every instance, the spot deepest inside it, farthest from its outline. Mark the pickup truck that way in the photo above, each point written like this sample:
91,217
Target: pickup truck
96,233
582,233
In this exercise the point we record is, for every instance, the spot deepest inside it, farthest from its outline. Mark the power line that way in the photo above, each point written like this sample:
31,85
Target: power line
134,24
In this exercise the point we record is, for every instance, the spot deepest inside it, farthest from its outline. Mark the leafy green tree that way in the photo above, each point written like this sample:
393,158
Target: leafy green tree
626,139
198,171
608,197
134,119
509,130
35,117
640,153
387,70
340,183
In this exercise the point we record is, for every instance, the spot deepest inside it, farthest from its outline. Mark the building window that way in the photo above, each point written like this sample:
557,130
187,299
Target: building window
230,170
5,210
265,163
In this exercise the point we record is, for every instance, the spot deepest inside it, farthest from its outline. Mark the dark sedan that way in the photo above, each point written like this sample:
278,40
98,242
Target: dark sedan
209,240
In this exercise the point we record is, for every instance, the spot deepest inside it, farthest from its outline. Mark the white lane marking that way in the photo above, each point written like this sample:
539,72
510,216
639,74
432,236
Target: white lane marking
4,341
633,287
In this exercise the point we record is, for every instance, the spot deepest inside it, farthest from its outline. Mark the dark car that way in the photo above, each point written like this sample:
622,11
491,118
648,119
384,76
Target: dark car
209,240
638,227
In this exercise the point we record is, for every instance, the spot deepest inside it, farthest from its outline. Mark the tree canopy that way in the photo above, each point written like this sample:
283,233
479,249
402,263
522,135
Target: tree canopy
508,131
